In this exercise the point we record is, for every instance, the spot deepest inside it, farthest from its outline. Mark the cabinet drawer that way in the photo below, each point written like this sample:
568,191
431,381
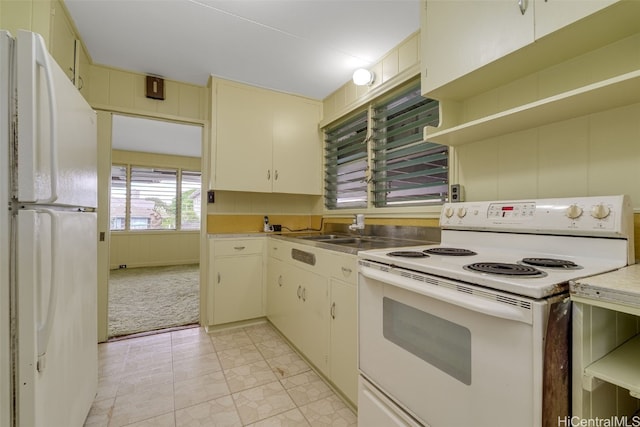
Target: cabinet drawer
344,267
278,249
224,247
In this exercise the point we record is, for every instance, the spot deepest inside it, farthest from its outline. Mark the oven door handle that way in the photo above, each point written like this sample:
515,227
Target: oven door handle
460,299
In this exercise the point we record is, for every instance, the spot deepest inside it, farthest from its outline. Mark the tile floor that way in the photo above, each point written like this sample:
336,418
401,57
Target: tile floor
246,376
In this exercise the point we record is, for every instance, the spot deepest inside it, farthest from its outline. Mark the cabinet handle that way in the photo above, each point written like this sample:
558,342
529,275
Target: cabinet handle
333,310
304,294
276,175
268,174
80,83
346,271
280,280
239,248
218,278
522,4
299,288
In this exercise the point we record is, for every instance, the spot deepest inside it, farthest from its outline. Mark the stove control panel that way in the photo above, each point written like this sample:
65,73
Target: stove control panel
597,216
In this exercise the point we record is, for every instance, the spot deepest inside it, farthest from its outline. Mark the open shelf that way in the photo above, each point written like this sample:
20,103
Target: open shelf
604,95
620,367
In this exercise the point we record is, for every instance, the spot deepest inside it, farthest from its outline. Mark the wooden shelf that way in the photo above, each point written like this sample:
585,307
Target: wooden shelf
620,367
604,95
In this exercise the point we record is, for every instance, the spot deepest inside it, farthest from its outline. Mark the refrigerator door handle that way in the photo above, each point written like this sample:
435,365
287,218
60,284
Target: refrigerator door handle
32,56
44,329
42,59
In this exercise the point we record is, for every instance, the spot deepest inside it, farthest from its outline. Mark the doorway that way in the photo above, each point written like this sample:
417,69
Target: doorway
154,225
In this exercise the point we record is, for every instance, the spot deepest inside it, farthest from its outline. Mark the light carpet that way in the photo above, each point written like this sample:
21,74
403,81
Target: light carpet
151,298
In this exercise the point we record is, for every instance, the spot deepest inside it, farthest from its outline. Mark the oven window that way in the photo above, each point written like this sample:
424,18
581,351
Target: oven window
437,341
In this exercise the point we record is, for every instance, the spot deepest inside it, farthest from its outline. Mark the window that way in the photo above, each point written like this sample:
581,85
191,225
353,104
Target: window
145,198
346,164
407,170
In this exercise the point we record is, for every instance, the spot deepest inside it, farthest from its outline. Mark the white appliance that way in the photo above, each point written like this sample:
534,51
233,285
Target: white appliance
475,331
48,247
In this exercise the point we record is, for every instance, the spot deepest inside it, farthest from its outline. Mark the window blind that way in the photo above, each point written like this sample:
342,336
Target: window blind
346,164
153,198
118,205
407,170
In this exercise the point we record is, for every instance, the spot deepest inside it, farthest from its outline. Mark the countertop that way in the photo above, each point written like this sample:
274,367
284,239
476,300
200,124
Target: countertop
617,290
363,243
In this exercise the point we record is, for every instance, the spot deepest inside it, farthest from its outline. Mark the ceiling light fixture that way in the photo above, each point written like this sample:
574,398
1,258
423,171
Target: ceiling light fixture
362,77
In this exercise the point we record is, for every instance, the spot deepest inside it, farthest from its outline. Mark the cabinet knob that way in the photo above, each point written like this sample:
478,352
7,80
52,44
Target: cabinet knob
239,248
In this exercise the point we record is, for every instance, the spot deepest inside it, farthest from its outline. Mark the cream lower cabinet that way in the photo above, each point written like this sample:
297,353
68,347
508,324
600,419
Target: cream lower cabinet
235,288
315,307
343,332
297,301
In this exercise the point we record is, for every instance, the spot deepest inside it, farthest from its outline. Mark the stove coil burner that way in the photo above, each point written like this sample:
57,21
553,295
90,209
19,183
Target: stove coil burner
408,254
551,263
449,252
505,269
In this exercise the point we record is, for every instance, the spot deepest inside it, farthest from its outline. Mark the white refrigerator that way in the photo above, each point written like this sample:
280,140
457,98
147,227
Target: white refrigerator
48,246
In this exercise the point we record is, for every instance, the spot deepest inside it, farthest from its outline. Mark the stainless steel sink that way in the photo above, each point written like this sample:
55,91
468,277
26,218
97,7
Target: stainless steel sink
327,237
357,241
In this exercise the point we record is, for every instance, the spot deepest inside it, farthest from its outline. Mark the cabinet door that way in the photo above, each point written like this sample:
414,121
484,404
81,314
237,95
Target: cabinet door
276,293
297,146
63,44
237,288
314,337
344,337
460,36
243,135
551,15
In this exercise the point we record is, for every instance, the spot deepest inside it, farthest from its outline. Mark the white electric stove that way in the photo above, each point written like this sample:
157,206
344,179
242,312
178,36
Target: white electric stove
482,320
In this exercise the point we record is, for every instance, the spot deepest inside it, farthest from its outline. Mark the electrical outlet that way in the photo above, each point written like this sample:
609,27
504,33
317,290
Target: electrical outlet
457,193
122,266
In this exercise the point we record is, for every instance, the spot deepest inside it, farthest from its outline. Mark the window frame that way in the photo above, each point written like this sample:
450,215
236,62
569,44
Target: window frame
330,199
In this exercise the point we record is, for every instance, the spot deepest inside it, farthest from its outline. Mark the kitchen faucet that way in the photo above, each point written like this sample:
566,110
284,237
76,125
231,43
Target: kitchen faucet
358,222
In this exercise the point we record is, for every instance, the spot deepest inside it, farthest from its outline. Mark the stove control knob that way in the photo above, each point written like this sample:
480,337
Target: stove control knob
600,211
448,211
462,212
573,212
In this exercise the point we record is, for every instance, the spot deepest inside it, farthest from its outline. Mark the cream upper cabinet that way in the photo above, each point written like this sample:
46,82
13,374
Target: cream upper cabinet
63,43
297,147
243,139
460,36
551,15
265,141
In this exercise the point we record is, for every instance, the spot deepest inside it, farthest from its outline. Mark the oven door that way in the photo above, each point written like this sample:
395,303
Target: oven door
449,353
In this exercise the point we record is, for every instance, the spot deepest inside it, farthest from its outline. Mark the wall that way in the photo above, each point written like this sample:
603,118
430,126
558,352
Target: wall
396,67
33,15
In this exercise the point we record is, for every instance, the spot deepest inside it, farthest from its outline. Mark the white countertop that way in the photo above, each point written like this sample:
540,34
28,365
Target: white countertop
617,290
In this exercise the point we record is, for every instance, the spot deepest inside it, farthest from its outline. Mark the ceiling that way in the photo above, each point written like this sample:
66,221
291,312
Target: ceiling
303,47
155,136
